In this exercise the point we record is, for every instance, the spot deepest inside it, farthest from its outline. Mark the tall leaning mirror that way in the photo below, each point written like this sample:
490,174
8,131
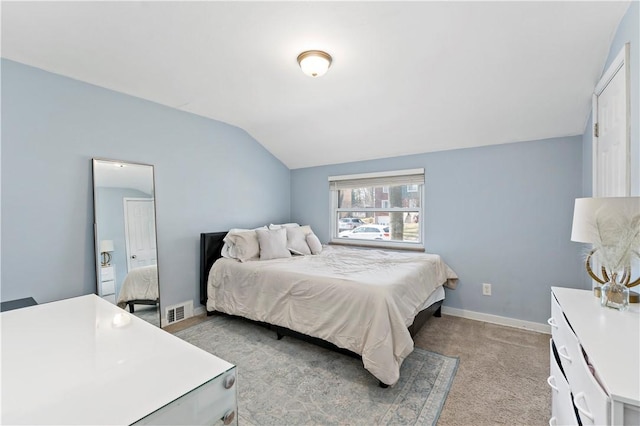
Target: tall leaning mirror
125,237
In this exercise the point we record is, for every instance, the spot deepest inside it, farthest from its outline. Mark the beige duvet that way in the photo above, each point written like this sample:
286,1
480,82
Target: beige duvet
360,300
139,284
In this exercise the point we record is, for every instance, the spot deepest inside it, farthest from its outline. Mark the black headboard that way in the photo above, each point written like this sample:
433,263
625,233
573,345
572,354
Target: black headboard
210,248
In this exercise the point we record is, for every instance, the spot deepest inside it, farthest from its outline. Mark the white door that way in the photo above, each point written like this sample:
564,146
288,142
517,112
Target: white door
611,156
611,143
140,232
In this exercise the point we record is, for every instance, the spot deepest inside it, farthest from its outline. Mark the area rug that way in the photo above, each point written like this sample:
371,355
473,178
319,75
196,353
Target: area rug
291,382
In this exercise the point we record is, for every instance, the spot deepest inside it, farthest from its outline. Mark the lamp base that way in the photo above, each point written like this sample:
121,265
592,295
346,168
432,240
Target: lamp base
106,258
597,291
634,296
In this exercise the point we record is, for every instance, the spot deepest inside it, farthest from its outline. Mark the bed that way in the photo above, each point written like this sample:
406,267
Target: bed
139,287
364,302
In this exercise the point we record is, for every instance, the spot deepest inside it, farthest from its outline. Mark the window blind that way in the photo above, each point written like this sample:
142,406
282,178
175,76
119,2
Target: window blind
394,178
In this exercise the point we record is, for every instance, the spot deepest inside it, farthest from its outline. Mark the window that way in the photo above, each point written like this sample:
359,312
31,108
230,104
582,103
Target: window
378,208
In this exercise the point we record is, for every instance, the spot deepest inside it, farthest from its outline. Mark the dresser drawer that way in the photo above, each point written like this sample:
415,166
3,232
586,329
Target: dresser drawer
562,410
565,340
106,273
107,287
631,415
590,399
556,314
213,403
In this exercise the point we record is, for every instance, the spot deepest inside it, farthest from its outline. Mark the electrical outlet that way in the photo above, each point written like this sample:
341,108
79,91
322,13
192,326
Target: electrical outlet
486,289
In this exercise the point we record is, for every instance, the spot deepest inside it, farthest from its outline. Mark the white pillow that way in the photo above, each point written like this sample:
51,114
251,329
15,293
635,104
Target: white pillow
226,251
297,240
314,244
273,243
283,225
229,248
245,245
307,229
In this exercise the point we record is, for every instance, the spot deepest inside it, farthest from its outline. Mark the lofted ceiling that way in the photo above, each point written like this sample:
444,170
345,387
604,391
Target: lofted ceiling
407,77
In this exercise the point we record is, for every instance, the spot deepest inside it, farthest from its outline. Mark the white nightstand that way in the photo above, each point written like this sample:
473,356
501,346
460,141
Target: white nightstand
107,284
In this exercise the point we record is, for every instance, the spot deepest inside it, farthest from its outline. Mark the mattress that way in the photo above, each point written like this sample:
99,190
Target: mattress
358,299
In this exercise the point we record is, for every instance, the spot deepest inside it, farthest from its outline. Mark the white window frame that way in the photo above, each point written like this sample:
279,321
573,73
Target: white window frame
413,176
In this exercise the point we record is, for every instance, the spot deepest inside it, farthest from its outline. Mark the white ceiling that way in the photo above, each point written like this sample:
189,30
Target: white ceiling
407,77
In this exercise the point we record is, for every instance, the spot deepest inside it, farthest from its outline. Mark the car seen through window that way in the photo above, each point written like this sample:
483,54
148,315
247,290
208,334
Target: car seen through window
367,232
349,223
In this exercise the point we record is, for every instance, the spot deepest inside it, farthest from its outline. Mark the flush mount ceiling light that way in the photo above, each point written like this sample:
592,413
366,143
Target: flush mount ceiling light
314,63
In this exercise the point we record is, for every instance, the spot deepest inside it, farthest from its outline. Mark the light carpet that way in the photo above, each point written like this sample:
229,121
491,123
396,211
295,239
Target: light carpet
289,381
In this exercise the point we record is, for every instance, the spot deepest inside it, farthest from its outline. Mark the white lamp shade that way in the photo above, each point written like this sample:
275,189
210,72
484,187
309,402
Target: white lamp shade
586,210
314,63
106,246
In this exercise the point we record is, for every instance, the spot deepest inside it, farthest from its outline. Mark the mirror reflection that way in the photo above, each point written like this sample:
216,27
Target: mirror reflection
125,237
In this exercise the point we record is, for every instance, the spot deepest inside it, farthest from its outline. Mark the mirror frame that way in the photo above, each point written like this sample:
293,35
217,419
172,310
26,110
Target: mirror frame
96,254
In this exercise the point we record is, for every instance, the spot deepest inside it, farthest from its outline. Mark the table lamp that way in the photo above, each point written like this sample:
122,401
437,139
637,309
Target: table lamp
612,226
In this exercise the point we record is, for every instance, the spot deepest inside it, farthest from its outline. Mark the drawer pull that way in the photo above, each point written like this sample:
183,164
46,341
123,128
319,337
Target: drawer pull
228,417
552,322
553,386
578,396
229,381
564,355
553,421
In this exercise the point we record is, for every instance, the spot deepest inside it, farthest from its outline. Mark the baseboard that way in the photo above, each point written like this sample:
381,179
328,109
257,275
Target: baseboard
463,313
496,319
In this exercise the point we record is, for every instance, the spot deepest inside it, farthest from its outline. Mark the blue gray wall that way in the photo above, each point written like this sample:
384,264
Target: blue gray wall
210,176
500,214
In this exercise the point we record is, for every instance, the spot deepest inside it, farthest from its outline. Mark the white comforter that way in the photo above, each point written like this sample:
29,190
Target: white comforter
139,284
360,300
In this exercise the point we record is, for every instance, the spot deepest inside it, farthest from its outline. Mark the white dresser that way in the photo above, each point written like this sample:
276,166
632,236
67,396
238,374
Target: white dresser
86,361
107,285
595,358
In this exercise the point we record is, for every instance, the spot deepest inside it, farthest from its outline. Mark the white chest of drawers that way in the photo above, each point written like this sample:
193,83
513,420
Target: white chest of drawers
107,285
84,361
595,358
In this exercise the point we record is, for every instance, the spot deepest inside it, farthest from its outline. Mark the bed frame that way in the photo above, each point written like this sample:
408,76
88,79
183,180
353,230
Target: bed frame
131,303
210,250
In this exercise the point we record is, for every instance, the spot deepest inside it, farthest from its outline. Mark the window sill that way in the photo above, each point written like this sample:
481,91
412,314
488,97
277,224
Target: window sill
378,244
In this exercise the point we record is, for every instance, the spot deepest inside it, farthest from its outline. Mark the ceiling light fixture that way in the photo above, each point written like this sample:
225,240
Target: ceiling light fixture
314,63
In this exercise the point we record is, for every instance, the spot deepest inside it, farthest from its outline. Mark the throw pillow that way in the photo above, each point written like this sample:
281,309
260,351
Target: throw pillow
297,241
273,244
314,244
246,245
